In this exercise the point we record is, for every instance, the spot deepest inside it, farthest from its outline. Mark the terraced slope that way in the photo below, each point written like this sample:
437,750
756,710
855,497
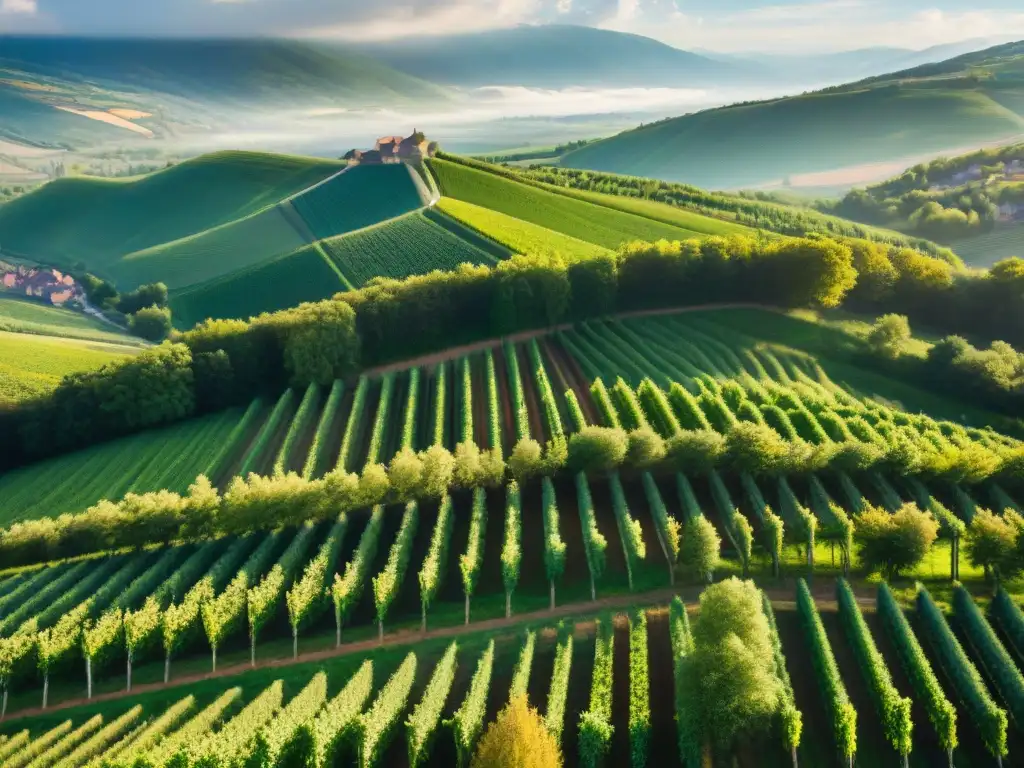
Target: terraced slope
98,221
303,275
360,197
212,253
515,234
411,245
577,218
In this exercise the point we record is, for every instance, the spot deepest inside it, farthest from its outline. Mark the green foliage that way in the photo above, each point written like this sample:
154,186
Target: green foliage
547,394
151,323
284,741
347,589
471,561
468,720
729,679
595,729
421,725
521,675
432,573
991,542
299,424
893,709
228,744
554,713
668,527
639,691
512,550
515,383
701,547
372,730
307,598
963,676
791,718
1005,612
255,455
517,738
597,449
387,583
889,336
332,724
894,542
918,669
191,733
375,453
355,416
840,710
603,402
990,652
630,531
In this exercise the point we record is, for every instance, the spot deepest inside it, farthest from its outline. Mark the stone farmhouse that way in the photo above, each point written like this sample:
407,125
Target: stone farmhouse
395,149
49,285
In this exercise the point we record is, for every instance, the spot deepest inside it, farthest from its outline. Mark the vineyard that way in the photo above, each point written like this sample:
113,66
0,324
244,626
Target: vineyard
879,687
411,245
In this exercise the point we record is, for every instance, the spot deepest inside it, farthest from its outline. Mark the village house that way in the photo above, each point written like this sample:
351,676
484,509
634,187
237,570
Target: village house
49,285
394,149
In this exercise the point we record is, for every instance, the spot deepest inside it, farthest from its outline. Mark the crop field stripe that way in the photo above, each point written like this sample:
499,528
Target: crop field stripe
301,421
495,250
570,216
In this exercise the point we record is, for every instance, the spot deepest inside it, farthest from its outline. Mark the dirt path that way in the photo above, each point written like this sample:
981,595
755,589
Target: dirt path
478,346
782,597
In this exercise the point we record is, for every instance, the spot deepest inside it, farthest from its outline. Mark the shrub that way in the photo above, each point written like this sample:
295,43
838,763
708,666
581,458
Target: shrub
894,542
517,739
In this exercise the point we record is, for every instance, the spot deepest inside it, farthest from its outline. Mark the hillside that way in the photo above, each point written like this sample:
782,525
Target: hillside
965,101
552,56
974,202
180,87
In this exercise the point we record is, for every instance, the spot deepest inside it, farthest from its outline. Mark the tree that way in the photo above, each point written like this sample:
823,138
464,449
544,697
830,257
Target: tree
150,295
597,449
321,343
701,547
152,323
889,336
991,542
894,542
646,448
526,460
518,738
730,676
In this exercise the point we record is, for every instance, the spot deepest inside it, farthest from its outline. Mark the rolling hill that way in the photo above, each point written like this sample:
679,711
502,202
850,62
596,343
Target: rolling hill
552,56
968,100
974,202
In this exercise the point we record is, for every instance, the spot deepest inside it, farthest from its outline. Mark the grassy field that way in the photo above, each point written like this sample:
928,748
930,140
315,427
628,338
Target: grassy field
582,220
287,281
763,142
168,458
411,245
362,196
33,365
211,254
515,234
985,250
30,316
97,221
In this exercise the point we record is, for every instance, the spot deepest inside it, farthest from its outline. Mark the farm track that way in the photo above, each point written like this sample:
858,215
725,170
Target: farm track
782,598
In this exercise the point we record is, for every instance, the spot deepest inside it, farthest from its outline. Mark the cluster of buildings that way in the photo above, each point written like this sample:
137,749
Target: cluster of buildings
49,285
394,149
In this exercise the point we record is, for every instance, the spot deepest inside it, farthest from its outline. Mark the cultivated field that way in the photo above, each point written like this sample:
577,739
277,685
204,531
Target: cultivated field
287,281
98,220
411,245
360,197
585,221
515,234
33,365
30,316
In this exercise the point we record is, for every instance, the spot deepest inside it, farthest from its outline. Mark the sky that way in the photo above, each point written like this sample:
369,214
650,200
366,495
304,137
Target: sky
779,26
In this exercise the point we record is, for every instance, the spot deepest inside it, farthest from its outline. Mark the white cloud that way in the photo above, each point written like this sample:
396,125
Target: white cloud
446,18
18,6
831,26
563,6
627,10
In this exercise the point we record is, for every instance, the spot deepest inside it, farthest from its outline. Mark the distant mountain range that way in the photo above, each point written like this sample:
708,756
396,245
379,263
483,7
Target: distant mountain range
966,101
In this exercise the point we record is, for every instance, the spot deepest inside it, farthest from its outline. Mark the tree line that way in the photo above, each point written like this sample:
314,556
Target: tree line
224,362
753,209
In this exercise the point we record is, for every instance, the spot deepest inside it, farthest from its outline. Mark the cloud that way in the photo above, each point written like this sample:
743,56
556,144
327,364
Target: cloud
18,6
438,18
